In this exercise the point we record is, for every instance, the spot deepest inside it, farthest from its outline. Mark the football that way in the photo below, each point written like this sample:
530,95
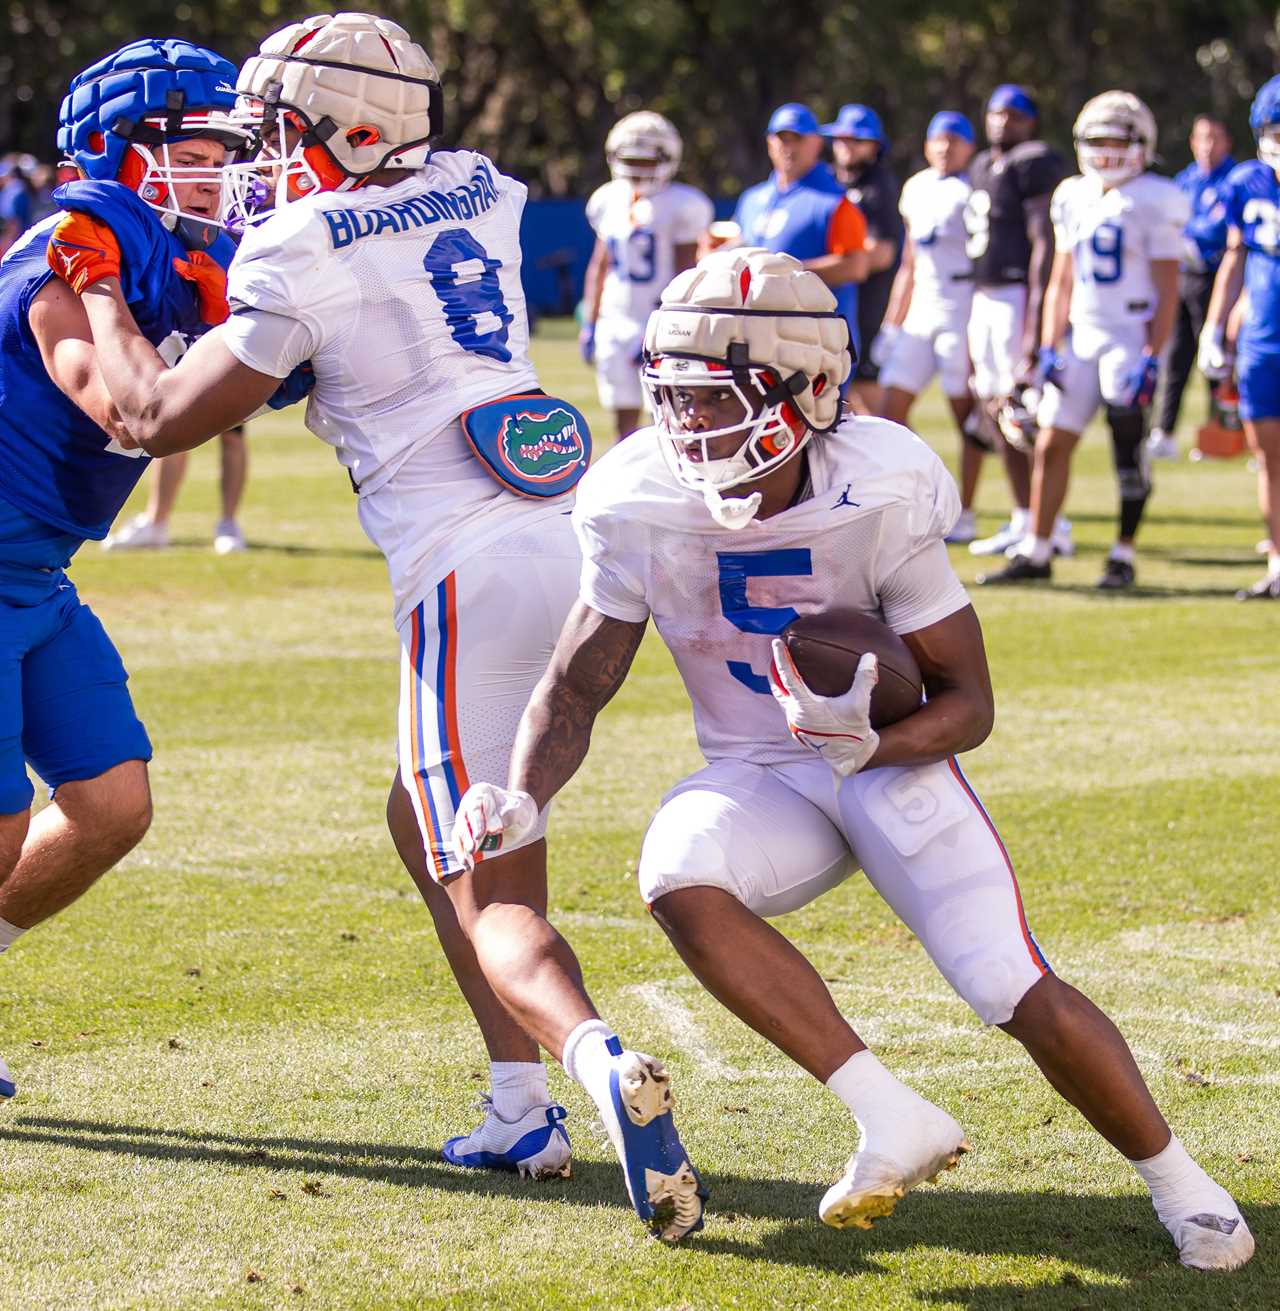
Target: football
827,647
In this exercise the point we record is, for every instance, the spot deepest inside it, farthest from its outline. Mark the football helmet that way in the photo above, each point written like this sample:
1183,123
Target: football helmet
1264,119
757,327
332,100
1109,117
1016,418
643,149
121,115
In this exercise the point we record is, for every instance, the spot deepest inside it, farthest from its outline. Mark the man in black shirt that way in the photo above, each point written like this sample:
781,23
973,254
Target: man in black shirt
858,144
1011,246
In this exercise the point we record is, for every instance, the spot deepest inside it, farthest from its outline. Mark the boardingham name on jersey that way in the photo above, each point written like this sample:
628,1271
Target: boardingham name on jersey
459,204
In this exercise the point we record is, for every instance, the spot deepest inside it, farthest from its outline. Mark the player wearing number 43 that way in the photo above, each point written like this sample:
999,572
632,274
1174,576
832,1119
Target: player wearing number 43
395,270
748,503
647,229
146,128
1111,304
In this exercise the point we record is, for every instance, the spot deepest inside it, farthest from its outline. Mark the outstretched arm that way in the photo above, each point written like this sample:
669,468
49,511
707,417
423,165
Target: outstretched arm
169,409
590,663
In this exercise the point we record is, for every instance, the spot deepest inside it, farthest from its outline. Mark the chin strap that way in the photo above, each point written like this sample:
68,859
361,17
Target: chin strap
732,512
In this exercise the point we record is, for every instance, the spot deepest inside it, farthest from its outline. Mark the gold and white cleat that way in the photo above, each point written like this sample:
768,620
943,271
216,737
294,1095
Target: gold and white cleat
873,1185
1209,1241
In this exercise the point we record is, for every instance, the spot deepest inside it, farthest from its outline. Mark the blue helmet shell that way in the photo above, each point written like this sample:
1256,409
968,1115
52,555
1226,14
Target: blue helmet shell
1265,110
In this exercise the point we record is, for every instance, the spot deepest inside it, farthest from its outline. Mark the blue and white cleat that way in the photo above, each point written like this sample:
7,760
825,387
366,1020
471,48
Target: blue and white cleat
7,1086
536,1145
665,1189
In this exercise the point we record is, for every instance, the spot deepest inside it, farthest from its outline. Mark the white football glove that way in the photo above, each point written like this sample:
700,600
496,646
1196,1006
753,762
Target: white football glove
489,817
1213,359
882,345
838,728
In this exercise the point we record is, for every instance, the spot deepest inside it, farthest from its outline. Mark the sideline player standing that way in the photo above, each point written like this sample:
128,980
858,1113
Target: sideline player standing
142,127
743,372
928,314
1112,300
858,145
802,210
1252,263
647,229
1011,246
1205,239
395,270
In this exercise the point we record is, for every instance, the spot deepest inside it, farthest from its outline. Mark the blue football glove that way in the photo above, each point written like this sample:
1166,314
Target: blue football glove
1140,385
1048,368
296,387
587,343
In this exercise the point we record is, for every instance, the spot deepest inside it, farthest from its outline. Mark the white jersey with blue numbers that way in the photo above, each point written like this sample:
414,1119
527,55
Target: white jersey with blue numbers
868,539
932,207
642,233
1113,235
408,303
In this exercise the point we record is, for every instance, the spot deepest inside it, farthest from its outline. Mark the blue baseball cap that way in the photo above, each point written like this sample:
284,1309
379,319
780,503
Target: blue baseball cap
950,121
793,117
860,122
1011,96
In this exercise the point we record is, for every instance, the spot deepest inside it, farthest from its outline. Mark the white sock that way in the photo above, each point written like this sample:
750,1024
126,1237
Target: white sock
875,1097
9,934
1273,564
1125,554
1179,1187
1020,520
517,1086
1038,549
588,1061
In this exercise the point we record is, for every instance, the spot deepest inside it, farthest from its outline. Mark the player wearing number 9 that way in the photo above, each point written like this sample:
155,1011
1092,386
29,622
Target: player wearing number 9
749,503
1110,307
395,270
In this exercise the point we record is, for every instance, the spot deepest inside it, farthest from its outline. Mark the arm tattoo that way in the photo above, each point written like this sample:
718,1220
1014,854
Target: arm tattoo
591,661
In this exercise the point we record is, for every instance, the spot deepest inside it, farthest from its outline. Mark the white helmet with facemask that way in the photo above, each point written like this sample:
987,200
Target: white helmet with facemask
334,99
759,326
1110,118
643,150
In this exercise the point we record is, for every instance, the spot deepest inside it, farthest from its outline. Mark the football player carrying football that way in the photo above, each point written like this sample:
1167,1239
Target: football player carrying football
924,328
647,229
1113,297
1252,263
395,270
145,127
748,503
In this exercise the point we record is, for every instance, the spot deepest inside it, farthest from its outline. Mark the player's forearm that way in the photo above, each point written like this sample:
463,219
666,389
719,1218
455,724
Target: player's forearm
590,663
129,363
837,270
951,721
593,288
1226,288
900,294
1037,292
1057,304
1164,274
880,253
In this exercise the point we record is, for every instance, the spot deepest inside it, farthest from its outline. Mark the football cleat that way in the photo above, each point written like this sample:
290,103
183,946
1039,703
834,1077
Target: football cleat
998,543
535,1146
1116,576
137,535
227,538
664,1188
7,1086
1214,1239
965,530
874,1181
1020,569
1265,589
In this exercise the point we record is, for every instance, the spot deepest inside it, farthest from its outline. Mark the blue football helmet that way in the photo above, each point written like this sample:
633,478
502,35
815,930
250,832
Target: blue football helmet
1264,119
122,115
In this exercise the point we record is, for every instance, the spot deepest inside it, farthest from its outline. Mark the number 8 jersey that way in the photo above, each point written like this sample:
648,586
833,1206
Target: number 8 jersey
1113,236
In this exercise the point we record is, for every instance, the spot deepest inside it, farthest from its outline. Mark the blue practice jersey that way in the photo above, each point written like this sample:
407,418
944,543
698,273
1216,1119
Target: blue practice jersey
56,465
1253,207
1206,230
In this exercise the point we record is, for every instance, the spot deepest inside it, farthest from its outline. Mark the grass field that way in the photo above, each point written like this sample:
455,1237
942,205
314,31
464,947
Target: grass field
239,1054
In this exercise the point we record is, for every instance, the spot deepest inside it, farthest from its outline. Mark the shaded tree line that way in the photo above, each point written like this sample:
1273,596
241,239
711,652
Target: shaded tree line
537,83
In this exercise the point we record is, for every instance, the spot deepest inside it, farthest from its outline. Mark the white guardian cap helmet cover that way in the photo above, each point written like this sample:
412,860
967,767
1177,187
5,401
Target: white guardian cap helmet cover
1109,117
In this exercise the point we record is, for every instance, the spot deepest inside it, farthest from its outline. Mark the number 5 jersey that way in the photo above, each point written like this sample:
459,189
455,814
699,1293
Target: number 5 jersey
408,303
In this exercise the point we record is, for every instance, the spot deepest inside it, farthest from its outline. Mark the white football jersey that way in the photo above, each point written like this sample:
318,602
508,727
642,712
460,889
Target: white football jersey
642,233
868,539
1113,235
407,301
932,208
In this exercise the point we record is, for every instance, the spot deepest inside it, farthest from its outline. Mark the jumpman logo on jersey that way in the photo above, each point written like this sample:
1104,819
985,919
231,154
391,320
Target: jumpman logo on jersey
844,498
